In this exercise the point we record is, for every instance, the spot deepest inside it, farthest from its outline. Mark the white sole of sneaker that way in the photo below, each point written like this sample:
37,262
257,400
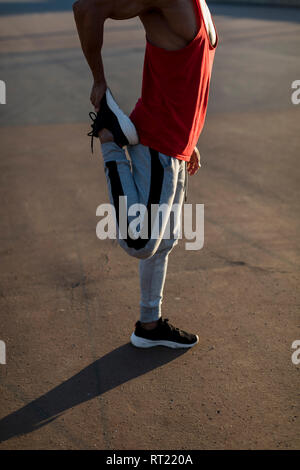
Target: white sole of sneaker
126,124
139,342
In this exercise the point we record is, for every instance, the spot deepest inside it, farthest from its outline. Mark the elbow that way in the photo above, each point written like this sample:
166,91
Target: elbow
92,9
79,8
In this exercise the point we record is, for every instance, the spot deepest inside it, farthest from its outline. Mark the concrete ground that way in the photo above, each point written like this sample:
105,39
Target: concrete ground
69,301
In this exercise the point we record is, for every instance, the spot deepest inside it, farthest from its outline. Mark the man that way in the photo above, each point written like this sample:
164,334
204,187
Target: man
160,135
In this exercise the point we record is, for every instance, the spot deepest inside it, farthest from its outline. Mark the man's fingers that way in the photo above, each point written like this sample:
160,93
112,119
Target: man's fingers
192,168
97,95
194,163
96,105
94,102
197,153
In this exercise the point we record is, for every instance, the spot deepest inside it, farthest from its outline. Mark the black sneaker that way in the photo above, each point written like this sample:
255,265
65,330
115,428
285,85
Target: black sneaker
111,117
164,334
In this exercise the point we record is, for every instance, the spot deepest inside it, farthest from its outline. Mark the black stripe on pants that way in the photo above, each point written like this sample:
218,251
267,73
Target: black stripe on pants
156,182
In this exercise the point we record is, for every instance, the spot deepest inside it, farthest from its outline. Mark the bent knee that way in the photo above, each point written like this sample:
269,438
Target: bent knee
138,252
143,253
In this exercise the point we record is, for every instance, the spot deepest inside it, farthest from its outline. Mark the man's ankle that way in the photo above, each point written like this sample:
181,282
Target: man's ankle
149,325
105,136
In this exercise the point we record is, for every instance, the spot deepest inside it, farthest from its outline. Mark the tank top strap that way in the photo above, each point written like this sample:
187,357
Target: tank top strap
198,12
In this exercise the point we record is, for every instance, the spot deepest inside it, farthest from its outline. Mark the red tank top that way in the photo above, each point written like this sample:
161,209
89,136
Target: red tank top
170,114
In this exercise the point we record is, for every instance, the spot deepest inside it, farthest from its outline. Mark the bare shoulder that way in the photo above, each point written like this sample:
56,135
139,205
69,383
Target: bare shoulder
125,9
121,9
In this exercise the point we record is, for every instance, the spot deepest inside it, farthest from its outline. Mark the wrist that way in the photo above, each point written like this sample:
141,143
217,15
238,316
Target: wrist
99,82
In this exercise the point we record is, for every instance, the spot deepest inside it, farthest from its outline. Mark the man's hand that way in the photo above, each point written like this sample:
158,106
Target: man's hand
194,163
97,93
90,16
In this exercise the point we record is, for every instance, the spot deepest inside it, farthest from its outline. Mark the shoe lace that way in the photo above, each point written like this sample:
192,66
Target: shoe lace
92,134
170,326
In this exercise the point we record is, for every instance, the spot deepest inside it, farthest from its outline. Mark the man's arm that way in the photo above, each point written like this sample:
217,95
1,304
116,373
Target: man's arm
90,16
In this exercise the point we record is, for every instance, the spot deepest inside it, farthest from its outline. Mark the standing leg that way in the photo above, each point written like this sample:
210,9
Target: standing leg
167,174
152,329
153,270
152,280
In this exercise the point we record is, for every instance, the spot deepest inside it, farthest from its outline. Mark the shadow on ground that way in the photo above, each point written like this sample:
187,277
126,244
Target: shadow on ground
115,368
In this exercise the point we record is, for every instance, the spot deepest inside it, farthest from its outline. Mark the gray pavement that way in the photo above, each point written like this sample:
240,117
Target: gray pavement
69,301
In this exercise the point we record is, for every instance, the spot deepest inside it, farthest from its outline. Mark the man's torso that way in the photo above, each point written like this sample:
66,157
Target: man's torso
179,54
169,24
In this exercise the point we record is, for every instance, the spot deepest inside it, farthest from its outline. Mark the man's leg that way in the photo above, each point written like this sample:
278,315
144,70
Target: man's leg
154,179
152,280
150,180
153,270
152,330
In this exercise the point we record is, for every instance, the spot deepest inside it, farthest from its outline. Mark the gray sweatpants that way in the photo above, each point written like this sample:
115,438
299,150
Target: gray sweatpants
156,181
